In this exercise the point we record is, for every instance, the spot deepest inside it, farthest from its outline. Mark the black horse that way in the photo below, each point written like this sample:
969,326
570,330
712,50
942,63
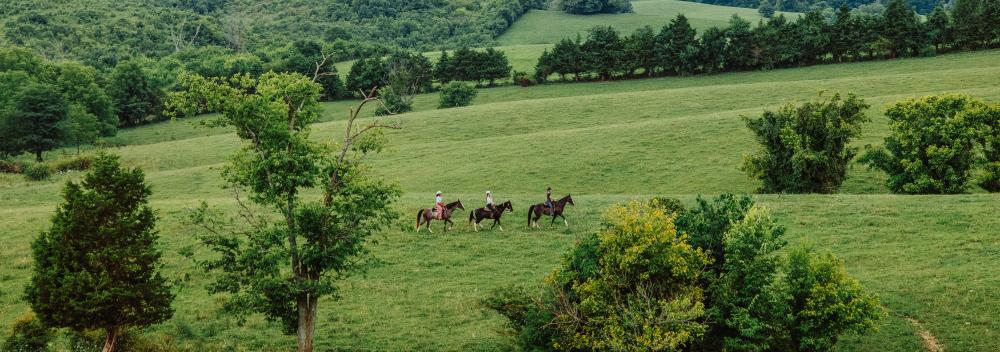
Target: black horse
536,211
478,215
426,215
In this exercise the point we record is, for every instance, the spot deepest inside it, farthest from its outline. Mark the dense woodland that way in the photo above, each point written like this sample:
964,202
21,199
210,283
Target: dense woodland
102,33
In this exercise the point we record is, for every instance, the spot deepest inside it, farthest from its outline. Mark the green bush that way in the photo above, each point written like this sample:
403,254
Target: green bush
804,149
634,284
456,94
28,334
639,284
37,172
931,145
80,163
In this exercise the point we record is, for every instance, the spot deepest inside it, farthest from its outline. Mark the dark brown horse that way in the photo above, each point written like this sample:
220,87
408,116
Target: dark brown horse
425,215
482,213
536,211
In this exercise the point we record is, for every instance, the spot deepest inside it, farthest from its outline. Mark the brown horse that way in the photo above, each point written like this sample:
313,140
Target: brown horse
557,209
425,215
482,213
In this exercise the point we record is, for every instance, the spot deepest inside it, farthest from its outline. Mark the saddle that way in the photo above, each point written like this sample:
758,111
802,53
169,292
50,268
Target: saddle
438,213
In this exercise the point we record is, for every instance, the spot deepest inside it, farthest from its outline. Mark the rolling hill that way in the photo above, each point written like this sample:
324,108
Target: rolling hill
929,258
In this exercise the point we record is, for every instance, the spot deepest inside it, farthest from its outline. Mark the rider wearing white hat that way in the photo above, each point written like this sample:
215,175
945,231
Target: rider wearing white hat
438,204
489,203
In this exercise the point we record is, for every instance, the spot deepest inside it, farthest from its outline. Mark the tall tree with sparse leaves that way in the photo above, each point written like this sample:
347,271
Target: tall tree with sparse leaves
288,251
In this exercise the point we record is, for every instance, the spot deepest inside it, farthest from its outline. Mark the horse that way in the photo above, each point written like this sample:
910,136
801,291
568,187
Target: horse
482,213
557,209
424,215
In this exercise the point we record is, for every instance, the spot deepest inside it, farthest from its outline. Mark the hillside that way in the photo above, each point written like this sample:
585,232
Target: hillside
929,258
102,32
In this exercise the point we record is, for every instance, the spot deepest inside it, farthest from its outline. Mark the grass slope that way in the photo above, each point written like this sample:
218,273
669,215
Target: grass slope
547,27
930,258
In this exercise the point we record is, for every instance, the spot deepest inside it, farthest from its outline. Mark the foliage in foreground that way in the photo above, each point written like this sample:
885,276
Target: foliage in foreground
28,334
286,251
98,266
641,284
932,143
804,149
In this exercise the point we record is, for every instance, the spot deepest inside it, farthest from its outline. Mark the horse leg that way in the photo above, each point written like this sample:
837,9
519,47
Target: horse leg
553,220
564,220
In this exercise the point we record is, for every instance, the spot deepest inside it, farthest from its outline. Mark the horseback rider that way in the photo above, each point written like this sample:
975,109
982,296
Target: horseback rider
548,200
489,203
438,206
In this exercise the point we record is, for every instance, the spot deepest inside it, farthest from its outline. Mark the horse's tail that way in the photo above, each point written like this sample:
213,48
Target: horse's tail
531,209
419,213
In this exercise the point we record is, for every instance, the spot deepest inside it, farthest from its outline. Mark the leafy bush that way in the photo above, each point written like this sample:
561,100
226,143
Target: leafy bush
641,284
28,334
633,284
931,145
80,163
456,94
805,149
37,172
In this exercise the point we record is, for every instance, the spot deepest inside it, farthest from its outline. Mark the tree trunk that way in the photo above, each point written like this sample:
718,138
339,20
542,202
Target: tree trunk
109,341
307,322
38,155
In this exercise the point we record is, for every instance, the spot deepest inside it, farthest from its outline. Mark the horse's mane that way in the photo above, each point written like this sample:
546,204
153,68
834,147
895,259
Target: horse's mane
449,205
563,199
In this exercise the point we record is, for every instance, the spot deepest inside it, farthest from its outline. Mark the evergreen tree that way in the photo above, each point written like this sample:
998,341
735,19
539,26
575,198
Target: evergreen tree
813,38
444,70
604,51
900,28
640,51
495,65
939,28
712,55
677,47
841,34
740,48
98,266
967,17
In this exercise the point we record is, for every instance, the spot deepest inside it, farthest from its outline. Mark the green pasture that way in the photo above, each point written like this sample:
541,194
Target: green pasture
929,258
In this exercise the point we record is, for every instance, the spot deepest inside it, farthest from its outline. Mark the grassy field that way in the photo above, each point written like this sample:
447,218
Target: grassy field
538,30
547,27
929,258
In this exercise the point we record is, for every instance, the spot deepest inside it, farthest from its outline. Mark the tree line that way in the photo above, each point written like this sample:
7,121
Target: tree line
677,49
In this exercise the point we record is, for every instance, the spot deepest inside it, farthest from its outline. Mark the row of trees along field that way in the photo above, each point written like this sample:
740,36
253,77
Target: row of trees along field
922,6
102,33
811,39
